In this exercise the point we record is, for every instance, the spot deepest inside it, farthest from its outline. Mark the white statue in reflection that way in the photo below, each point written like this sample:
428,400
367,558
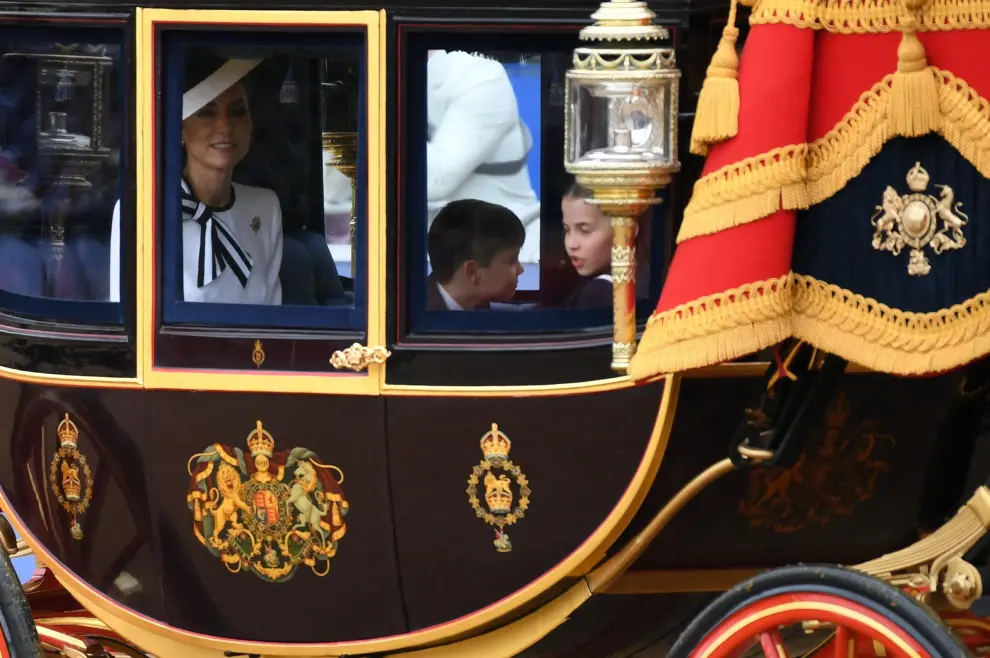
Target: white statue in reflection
478,145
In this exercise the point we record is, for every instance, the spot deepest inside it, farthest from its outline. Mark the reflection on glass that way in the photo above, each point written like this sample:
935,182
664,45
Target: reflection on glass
483,139
487,115
620,121
338,87
269,162
59,168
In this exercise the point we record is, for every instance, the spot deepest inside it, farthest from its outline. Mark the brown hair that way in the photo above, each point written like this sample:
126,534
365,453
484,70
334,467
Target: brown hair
578,191
471,229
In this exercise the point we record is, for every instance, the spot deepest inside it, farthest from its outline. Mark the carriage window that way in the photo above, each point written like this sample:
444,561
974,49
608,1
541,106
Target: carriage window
505,229
264,179
60,164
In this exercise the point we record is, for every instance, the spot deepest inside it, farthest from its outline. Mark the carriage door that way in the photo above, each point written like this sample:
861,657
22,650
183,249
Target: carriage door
265,359
511,443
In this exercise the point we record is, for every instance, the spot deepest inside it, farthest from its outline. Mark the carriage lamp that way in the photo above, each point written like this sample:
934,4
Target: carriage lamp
339,103
73,85
340,151
621,137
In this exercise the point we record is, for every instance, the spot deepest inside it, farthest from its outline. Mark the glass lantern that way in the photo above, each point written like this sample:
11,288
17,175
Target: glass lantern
71,89
339,88
621,137
622,122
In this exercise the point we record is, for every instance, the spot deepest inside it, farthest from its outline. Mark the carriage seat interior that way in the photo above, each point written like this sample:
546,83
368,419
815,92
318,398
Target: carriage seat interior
286,156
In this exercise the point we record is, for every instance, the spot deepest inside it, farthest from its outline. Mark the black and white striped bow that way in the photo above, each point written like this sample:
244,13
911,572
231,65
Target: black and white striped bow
218,249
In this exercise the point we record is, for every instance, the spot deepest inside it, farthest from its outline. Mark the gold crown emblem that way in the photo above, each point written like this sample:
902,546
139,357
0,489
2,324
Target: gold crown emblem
917,178
495,445
68,433
260,442
70,482
498,495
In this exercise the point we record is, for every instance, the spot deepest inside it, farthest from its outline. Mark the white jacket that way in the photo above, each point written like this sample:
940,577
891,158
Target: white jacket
253,208
474,120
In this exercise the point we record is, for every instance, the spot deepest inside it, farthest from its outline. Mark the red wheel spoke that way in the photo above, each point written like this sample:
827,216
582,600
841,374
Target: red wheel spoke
773,645
843,642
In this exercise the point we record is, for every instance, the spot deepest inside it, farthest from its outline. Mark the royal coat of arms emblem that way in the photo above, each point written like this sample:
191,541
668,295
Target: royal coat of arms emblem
498,474
839,470
270,514
912,220
70,476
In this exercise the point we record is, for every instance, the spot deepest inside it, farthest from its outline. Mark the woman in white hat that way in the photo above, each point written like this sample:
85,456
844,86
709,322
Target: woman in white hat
231,233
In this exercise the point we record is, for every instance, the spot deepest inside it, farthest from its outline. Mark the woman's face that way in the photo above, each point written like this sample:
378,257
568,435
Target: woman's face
587,237
218,136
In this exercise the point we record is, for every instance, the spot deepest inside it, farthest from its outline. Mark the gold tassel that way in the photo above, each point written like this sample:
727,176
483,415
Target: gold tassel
914,108
717,116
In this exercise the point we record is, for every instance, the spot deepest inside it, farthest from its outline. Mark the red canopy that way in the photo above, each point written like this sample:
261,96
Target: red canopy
823,87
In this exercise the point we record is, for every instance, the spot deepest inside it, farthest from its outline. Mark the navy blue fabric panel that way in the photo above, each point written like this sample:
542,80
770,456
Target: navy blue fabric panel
834,240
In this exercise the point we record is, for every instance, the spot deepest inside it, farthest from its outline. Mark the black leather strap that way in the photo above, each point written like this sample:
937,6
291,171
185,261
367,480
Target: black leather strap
789,409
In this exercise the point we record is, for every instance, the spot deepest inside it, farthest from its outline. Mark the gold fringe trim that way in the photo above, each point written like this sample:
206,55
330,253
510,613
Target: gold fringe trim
870,16
746,191
859,329
799,176
714,329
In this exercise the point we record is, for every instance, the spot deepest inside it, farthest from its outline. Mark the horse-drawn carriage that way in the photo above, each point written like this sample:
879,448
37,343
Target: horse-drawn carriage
247,416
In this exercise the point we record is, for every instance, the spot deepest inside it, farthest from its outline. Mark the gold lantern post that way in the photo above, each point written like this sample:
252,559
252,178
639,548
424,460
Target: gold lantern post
621,137
70,107
341,150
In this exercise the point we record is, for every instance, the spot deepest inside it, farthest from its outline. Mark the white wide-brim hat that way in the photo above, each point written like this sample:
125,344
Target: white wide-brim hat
217,82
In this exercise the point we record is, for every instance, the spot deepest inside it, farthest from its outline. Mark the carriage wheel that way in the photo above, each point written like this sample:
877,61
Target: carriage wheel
16,622
821,611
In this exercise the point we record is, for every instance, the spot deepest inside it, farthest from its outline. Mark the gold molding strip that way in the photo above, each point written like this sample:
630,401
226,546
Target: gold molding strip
515,637
74,381
676,581
539,390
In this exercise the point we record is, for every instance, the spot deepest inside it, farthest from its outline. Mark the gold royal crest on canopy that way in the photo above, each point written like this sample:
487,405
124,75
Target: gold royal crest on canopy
495,471
70,476
912,220
269,513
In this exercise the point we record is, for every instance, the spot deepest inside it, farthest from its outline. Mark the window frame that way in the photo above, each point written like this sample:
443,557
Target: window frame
43,340
179,313
417,327
73,318
279,340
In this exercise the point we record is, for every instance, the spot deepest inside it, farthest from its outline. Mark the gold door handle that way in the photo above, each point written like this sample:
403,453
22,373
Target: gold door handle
358,357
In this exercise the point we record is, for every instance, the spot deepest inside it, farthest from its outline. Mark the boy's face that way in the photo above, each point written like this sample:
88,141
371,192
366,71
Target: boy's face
497,282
